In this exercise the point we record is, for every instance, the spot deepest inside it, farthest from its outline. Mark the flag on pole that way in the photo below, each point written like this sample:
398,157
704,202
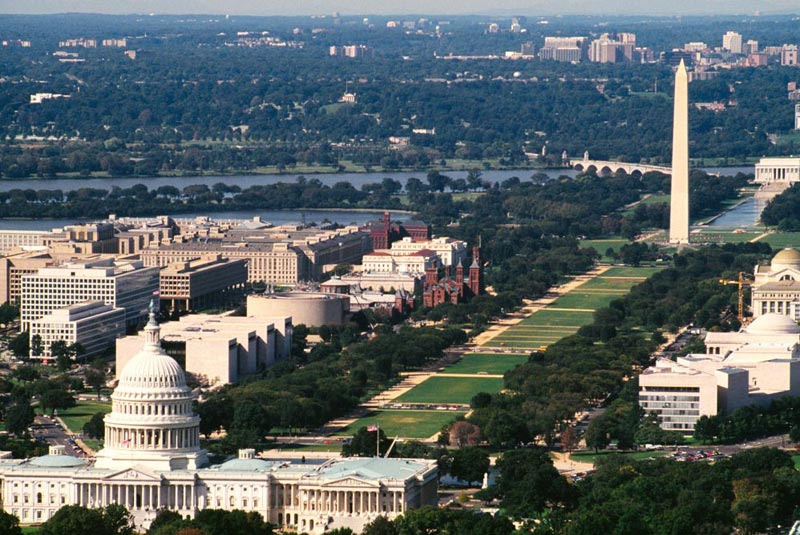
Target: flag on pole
372,428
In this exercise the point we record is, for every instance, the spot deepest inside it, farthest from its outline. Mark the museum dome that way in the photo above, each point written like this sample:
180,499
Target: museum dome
773,324
786,258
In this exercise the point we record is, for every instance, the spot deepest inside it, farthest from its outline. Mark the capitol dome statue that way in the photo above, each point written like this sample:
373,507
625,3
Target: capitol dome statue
152,422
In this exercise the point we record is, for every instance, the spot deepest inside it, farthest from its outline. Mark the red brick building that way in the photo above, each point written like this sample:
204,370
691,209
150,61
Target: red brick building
384,232
453,289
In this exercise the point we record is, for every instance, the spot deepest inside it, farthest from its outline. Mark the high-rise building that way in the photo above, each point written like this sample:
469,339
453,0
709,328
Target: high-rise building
750,47
797,116
679,200
566,49
789,55
732,42
122,283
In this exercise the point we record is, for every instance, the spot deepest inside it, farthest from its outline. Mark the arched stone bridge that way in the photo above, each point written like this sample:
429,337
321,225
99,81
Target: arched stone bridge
602,167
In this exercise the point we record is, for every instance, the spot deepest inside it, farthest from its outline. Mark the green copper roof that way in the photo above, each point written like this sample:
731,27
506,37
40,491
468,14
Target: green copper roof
57,461
372,468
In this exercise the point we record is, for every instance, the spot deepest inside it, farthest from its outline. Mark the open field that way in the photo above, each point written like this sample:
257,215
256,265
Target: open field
586,299
625,271
558,318
541,329
571,311
473,363
409,424
450,389
75,417
725,236
621,285
779,240
601,246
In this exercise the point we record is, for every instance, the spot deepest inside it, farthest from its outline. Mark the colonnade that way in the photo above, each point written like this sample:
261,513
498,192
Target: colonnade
342,502
137,496
149,439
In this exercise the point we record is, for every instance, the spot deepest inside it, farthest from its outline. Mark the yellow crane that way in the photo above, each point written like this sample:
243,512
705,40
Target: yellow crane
741,282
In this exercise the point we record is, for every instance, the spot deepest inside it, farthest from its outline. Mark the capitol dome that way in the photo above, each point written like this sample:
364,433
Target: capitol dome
152,421
773,324
152,369
786,258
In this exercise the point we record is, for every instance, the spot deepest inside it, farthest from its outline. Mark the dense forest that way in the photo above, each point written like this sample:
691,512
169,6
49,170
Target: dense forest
197,99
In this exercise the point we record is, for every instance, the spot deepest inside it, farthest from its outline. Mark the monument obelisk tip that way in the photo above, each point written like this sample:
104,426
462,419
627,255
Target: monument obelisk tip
679,198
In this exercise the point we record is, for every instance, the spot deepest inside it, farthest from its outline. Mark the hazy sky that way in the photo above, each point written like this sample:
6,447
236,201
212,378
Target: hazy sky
345,7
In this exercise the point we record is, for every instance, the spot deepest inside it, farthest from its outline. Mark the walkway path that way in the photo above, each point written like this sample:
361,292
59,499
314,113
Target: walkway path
411,379
534,306
565,464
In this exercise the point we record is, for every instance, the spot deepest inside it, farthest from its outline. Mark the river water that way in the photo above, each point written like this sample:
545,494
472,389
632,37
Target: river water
274,216
329,179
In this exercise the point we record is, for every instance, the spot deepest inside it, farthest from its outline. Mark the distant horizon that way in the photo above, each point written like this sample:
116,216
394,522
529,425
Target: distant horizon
532,8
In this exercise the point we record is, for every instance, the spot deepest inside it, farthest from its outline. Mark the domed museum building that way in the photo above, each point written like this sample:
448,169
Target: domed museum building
152,461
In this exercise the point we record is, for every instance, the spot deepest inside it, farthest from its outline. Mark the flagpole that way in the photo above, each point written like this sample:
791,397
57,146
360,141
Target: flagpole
377,440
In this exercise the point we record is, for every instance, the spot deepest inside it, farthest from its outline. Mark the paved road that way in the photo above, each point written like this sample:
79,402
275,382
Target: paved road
46,429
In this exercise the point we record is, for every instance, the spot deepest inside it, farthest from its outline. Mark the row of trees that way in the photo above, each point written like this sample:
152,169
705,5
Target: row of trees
752,422
312,389
542,395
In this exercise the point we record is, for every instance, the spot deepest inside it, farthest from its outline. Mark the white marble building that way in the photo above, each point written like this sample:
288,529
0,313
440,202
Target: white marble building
152,461
751,367
776,288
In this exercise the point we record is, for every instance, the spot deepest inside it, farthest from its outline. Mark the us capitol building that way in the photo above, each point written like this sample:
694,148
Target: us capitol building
152,461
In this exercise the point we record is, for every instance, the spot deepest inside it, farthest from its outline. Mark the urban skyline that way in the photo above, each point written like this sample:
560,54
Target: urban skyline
444,7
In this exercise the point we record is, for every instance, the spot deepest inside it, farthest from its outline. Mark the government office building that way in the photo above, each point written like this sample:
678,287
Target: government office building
121,283
152,461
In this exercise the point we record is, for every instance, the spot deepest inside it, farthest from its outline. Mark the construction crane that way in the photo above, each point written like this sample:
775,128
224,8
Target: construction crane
741,282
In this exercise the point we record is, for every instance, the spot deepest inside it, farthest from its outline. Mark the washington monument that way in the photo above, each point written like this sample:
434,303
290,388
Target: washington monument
679,199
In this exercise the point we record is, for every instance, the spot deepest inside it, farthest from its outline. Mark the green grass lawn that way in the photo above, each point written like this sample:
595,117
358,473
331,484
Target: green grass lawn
780,240
558,318
488,363
725,236
450,389
642,272
30,530
654,199
408,424
608,283
796,459
75,417
592,457
95,443
601,246
586,299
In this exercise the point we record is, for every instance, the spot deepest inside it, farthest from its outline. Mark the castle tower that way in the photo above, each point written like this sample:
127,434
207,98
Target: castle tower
460,272
431,276
475,272
679,201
